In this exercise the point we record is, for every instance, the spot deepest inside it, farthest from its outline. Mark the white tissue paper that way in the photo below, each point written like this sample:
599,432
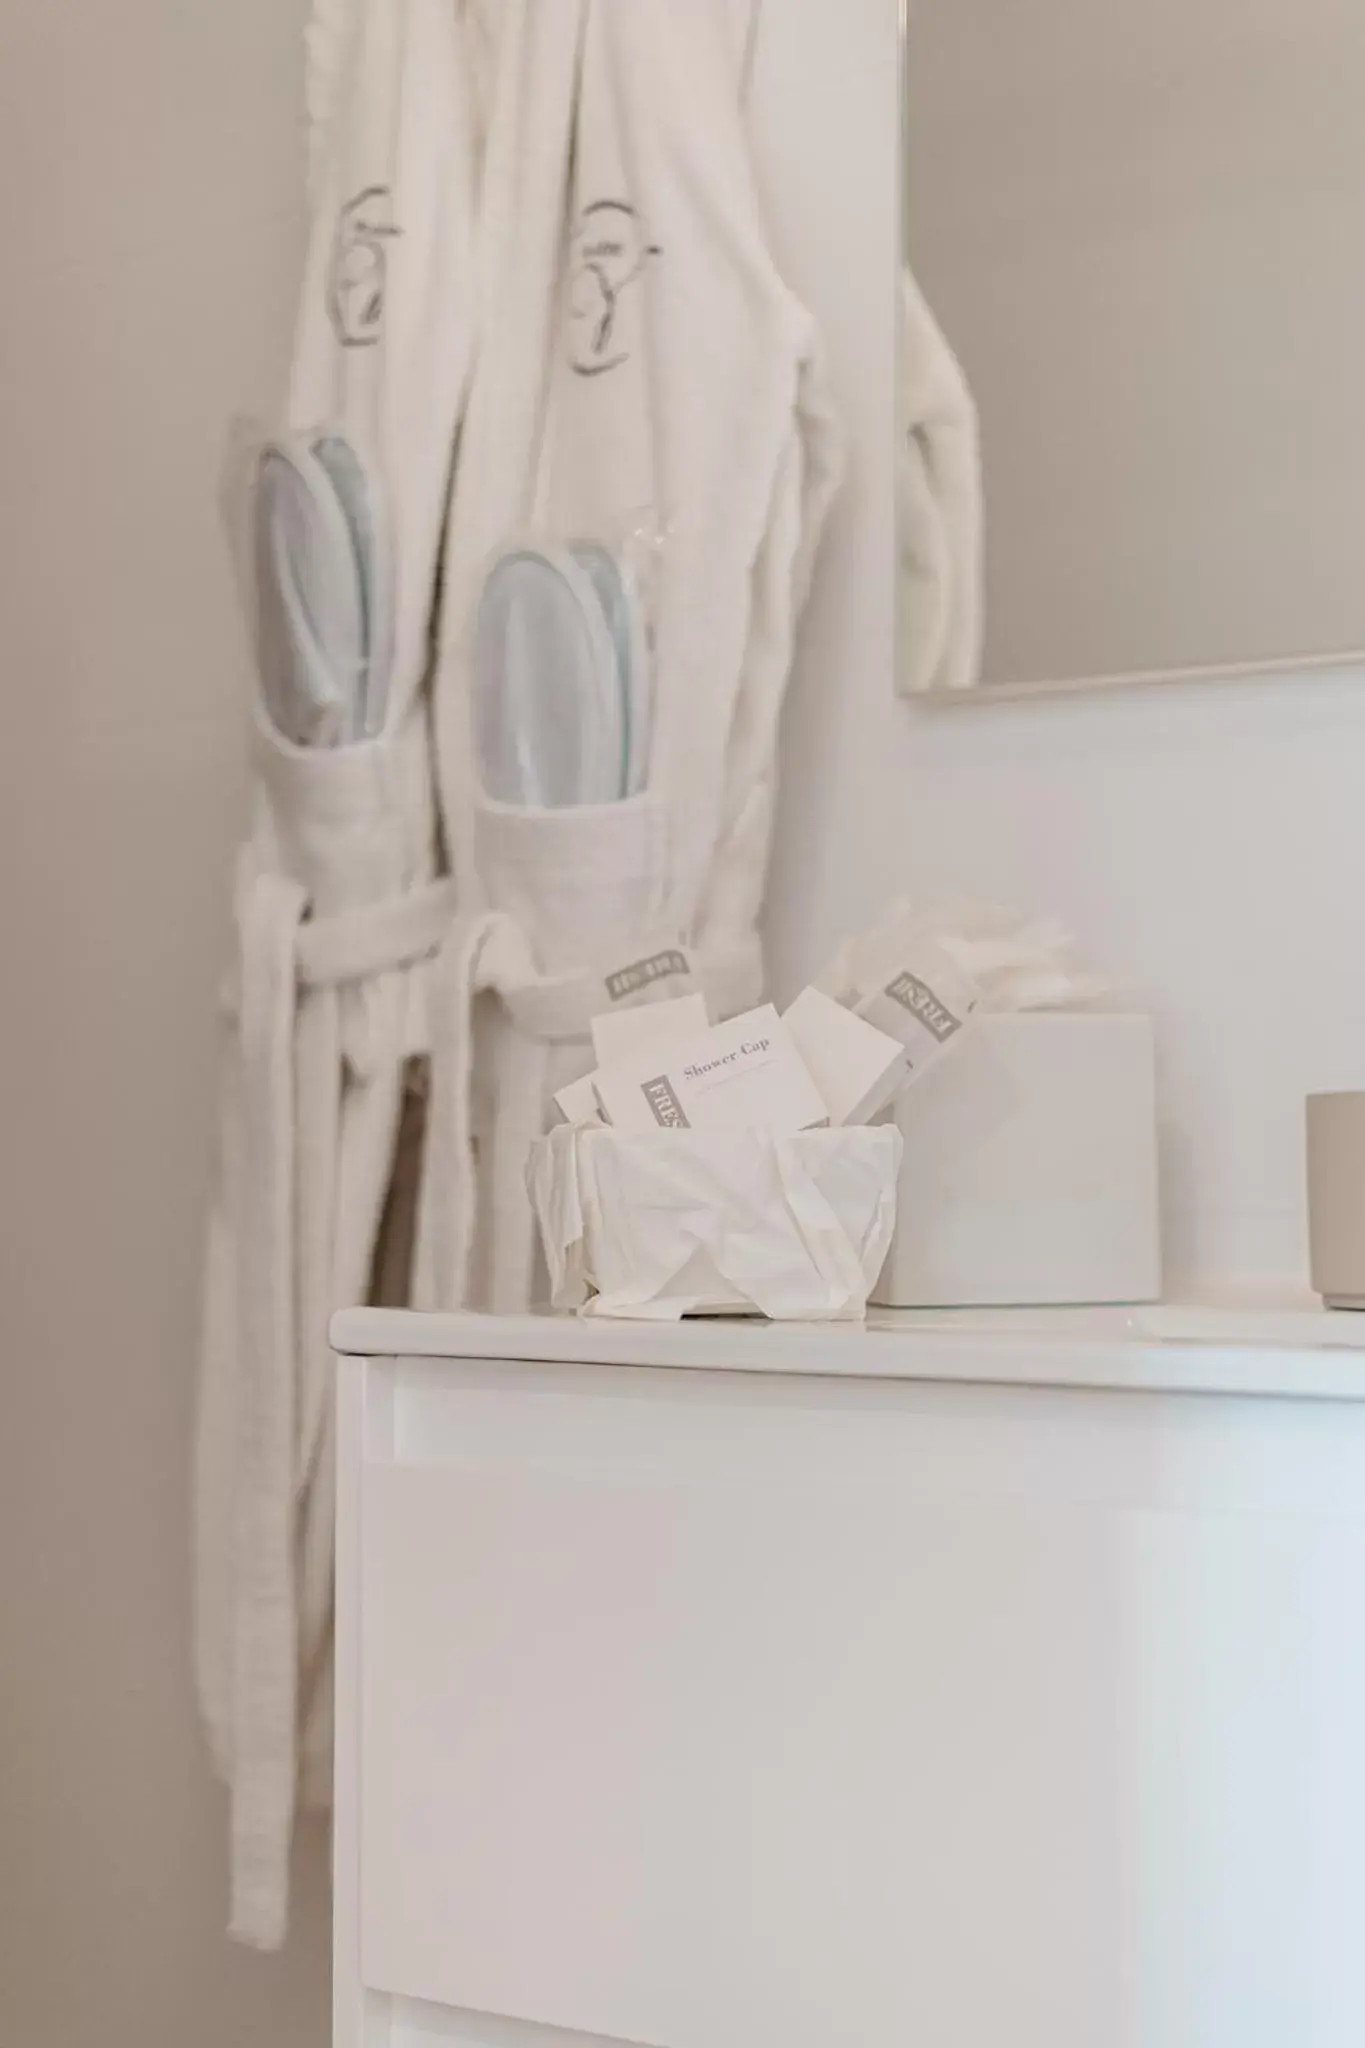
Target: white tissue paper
712,1222
1012,963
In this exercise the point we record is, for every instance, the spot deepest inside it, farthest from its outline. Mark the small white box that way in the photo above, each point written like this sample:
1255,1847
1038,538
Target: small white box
857,1068
621,1034
643,1029
1030,1168
578,1103
925,1005
744,1075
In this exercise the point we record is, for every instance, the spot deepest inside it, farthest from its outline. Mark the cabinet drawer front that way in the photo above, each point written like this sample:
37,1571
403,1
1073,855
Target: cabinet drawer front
741,1714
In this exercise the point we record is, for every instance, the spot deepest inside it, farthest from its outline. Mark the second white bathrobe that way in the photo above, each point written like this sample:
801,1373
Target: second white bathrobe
642,360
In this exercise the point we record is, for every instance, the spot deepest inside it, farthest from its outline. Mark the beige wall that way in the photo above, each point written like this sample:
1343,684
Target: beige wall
149,194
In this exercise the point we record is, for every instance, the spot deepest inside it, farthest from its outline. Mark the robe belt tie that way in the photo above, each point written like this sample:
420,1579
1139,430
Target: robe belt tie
355,945
284,956
292,968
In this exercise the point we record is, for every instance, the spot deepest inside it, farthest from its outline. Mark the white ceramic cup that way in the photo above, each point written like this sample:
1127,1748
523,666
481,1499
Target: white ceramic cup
1336,1197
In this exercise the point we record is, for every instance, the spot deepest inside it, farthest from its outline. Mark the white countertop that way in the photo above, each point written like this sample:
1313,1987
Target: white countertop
1285,1353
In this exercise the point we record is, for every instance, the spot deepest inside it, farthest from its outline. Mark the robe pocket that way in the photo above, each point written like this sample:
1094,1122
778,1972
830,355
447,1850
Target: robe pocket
587,885
352,824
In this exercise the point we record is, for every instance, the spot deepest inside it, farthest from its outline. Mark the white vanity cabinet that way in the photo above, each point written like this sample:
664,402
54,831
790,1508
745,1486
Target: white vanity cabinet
982,1686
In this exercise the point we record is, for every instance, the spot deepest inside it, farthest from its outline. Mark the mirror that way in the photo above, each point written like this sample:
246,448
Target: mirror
1142,230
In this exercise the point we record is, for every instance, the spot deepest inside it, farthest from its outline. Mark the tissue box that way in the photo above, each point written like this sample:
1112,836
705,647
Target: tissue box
1030,1168
670,1223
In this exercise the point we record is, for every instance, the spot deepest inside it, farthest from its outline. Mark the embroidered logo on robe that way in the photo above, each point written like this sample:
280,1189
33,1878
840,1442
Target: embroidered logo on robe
358,274
609,252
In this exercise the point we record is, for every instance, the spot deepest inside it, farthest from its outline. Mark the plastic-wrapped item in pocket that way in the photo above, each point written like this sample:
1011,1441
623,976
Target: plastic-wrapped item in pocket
563,676
678,1223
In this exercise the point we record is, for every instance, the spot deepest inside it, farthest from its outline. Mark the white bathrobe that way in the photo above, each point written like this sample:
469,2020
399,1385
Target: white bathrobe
939,503
339,909
641,359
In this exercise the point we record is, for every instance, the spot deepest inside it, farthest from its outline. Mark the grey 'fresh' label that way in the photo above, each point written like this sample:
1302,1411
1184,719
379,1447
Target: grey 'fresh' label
628,981
664,1105
919,999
